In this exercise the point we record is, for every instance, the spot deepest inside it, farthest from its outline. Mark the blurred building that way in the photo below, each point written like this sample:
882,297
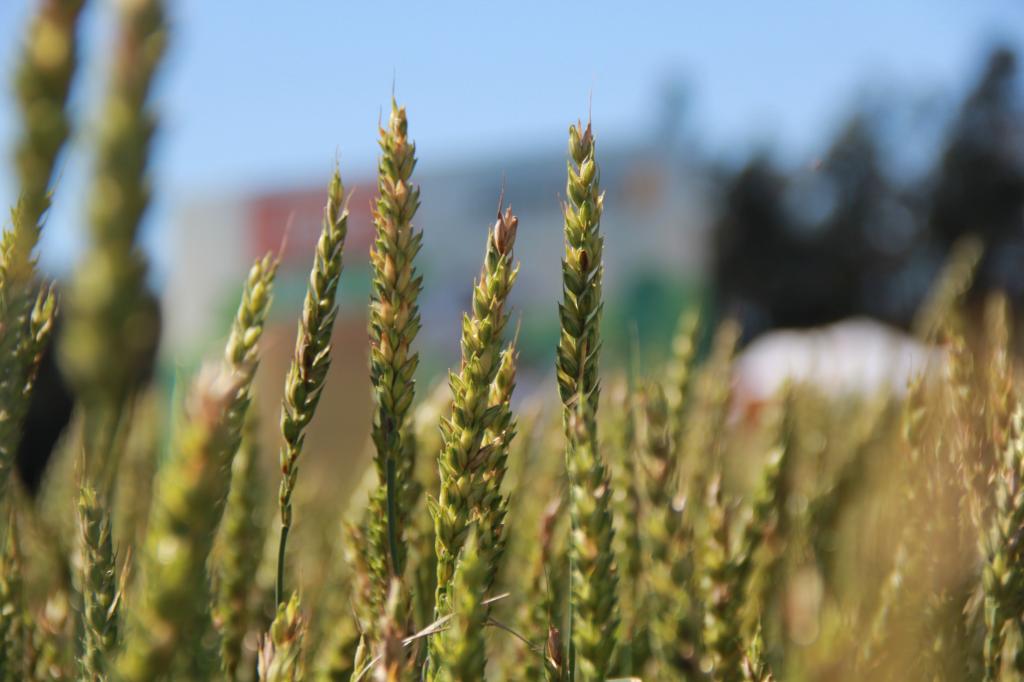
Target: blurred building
657,213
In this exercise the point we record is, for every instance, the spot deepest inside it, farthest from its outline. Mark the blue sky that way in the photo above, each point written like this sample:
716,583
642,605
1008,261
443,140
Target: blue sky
259,93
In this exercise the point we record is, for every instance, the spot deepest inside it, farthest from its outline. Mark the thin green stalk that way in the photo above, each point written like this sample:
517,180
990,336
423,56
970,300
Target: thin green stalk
312,357
466,456
593,578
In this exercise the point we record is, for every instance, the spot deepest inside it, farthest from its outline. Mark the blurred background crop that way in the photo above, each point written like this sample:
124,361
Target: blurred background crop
791,165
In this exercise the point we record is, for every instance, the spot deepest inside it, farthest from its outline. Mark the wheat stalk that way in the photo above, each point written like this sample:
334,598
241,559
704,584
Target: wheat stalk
459,650
1003,571
188,496
593,575
492,536
111,325
708,409
109,330
721,590
312,357
394,322
101,608
12,618
240,543
17,384
465,456
42,81
768,525
679,376
665,539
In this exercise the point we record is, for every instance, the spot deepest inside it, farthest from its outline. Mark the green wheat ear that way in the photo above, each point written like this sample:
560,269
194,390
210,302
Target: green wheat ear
42,82
280,651
240,544
312,359
12,605
188,496
720,587
498,438
468,463
1003,571
101,611
394,323
593,575
679,376
460,652
16,384
190,493
111,327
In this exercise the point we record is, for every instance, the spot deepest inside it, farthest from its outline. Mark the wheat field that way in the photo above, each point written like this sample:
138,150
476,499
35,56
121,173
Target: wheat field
639,532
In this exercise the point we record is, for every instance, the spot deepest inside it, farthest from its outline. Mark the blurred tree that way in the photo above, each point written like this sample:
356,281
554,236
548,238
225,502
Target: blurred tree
842,238
980,179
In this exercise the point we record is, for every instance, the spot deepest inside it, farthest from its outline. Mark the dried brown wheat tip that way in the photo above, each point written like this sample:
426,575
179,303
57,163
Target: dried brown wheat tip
505,231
